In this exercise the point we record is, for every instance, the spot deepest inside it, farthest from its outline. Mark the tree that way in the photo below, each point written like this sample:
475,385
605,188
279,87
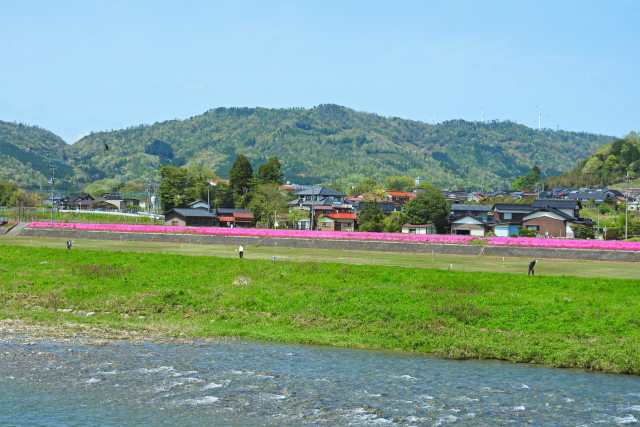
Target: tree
160,149
7,188
269,172
371,218
266,200
399,183
22,199
172,186
198,183
604,209
241,175
221,196
529,181
295,215
366,185
428,207
181,186
394,222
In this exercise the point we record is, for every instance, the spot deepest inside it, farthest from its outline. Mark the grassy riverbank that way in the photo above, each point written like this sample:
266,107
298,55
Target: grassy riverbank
546,267
590,323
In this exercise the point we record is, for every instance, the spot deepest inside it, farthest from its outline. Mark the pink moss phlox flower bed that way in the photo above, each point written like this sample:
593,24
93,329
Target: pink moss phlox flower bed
394,237
431,238
563,243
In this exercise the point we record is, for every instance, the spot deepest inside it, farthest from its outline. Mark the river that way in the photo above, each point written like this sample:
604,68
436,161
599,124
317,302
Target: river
238,382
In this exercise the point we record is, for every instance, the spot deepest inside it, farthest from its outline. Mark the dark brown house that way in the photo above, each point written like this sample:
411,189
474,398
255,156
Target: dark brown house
190,217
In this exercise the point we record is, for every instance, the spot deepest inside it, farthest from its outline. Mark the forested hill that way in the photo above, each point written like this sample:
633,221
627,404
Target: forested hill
26,153
611,164
330,143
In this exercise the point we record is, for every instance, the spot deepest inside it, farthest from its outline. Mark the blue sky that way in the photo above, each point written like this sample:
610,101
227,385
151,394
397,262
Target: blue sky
78,66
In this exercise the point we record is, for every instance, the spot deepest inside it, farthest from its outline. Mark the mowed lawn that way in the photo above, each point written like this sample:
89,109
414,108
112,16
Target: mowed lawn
551,267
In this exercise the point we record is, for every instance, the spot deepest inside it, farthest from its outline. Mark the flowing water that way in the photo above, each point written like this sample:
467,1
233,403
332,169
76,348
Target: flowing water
237,382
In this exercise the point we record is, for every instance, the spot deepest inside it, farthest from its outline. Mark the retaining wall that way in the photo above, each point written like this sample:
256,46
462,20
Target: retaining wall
353,245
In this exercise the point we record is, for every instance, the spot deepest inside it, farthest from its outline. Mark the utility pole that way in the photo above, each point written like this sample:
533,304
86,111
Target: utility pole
124,189
148,182
626,209
53,183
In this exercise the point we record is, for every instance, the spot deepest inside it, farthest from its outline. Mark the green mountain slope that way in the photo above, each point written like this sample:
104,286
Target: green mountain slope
330,143
333,143
26,153
610,164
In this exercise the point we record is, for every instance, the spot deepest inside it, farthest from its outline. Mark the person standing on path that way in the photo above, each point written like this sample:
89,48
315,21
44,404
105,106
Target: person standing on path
68,244
532,264
240,251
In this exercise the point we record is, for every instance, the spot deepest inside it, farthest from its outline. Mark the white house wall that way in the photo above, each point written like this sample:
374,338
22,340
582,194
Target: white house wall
467,220
543,214
501,231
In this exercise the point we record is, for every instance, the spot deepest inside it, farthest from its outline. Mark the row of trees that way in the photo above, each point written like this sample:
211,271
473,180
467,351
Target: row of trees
246,190
12,196
428,207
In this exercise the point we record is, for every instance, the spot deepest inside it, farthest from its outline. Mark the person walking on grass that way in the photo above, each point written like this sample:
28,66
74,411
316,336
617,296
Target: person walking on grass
240,251
532,264
68,244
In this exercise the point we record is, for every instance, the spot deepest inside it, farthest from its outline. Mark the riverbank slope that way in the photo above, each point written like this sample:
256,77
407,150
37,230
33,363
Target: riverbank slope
589,323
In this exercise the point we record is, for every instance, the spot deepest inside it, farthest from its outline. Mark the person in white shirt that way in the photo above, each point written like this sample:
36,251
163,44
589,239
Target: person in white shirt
240,251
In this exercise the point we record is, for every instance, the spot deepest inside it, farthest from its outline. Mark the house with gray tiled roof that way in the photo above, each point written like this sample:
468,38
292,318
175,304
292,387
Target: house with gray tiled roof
320,201
190,217
508,217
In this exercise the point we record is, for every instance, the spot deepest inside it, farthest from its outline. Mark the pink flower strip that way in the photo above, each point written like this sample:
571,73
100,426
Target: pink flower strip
307,234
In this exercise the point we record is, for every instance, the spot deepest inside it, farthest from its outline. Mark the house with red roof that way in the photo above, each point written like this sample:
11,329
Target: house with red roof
338,221
322,202
235,217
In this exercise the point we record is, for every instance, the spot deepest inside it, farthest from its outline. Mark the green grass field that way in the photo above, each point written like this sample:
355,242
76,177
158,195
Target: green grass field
564,321
555,267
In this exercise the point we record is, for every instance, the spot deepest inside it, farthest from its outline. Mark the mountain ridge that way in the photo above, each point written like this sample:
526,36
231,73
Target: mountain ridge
330,143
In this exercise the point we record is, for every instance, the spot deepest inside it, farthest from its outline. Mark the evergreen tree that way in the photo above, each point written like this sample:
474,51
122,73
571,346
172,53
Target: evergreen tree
241,175
269,172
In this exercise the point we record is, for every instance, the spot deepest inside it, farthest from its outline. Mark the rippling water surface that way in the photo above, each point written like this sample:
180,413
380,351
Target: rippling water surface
236,382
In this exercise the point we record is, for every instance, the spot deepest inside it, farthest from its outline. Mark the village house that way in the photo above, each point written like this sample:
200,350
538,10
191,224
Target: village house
507,218
418,229
633,199
321,202
200,204
339,221
190,217
471,220
76,201
550,222
235,217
